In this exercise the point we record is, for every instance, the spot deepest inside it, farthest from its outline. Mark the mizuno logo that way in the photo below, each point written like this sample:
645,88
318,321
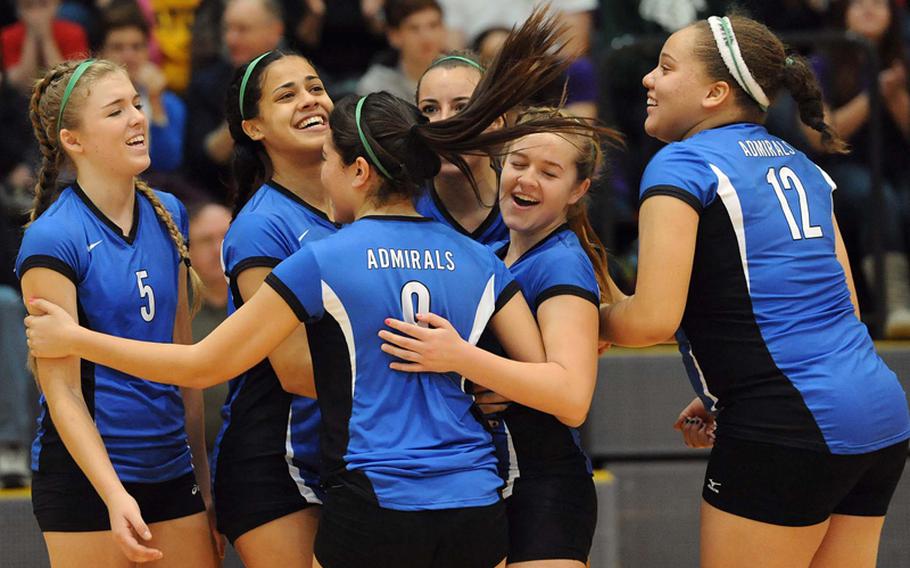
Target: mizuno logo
302,235
195,489
713,485
93,245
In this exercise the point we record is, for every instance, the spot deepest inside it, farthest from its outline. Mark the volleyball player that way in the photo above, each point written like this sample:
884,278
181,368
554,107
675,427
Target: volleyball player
443,90
266,461
740,249
561,267
111,457
410,471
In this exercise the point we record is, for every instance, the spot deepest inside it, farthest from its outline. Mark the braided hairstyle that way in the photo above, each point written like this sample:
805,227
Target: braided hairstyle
588,141
44,109
766,57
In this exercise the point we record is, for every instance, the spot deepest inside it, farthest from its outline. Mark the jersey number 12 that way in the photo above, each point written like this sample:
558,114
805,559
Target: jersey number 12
787,178
408,292
147,312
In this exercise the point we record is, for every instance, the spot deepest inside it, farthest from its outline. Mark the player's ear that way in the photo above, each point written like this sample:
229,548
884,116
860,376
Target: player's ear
252,128
717,94
579,191
362,173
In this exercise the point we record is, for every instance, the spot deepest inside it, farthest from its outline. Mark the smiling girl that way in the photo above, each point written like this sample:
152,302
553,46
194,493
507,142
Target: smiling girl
561,268
266,463
410,471
443,90
111,458
741,252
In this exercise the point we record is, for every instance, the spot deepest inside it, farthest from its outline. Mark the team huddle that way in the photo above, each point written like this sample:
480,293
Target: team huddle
416,304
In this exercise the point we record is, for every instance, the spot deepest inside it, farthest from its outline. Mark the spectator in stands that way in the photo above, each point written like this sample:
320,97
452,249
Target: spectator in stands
416,31
126,42
842,72
341,41
173,32
250,27
38,40
466,20
208,224
15,383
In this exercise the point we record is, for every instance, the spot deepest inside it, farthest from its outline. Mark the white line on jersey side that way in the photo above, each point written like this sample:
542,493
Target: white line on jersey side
333,306
827,177
730,199
701,377
514,470
305,490
485,308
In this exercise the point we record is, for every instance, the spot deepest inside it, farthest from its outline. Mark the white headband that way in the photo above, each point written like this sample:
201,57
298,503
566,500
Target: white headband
733,59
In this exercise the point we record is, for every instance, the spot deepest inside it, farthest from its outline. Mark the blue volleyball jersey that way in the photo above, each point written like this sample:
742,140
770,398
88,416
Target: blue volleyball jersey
259,417
125,286
407,441
492,231
769,335
530,442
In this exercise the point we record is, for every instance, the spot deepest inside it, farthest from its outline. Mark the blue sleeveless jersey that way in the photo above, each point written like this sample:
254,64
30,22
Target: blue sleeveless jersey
125,286
492,231
769,335
259,417
405,441
528,442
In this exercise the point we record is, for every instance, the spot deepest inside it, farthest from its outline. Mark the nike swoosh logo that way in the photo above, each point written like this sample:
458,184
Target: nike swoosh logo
93,245
300,238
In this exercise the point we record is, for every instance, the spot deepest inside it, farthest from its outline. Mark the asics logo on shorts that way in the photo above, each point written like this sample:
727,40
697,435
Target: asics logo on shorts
713,485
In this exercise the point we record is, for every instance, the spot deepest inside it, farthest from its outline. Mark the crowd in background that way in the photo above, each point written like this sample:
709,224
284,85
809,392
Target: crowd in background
181,55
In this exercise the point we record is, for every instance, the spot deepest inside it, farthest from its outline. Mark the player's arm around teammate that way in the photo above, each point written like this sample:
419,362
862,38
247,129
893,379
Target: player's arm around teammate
87,113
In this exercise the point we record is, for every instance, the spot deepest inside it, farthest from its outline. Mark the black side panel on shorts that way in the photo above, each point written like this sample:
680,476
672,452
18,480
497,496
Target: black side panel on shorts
756,399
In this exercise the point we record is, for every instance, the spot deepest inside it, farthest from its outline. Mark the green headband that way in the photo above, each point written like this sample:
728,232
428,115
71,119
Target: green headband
246,77
363,139
467,60
70,85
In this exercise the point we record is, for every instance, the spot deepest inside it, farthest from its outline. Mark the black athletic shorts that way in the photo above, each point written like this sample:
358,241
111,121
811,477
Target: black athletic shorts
253,492
795,487
551,518
67,502
356,532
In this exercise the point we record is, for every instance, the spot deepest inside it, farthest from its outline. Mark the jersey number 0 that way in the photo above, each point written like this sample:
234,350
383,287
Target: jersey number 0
408,292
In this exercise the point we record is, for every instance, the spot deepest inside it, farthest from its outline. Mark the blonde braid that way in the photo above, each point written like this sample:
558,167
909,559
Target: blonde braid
165,217
51,156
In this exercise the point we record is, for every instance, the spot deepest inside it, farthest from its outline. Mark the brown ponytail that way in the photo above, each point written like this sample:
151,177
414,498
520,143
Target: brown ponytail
179,242
766,57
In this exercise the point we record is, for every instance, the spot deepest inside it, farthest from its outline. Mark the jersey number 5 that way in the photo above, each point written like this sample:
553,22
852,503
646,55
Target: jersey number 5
787,178
147,312
408,291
